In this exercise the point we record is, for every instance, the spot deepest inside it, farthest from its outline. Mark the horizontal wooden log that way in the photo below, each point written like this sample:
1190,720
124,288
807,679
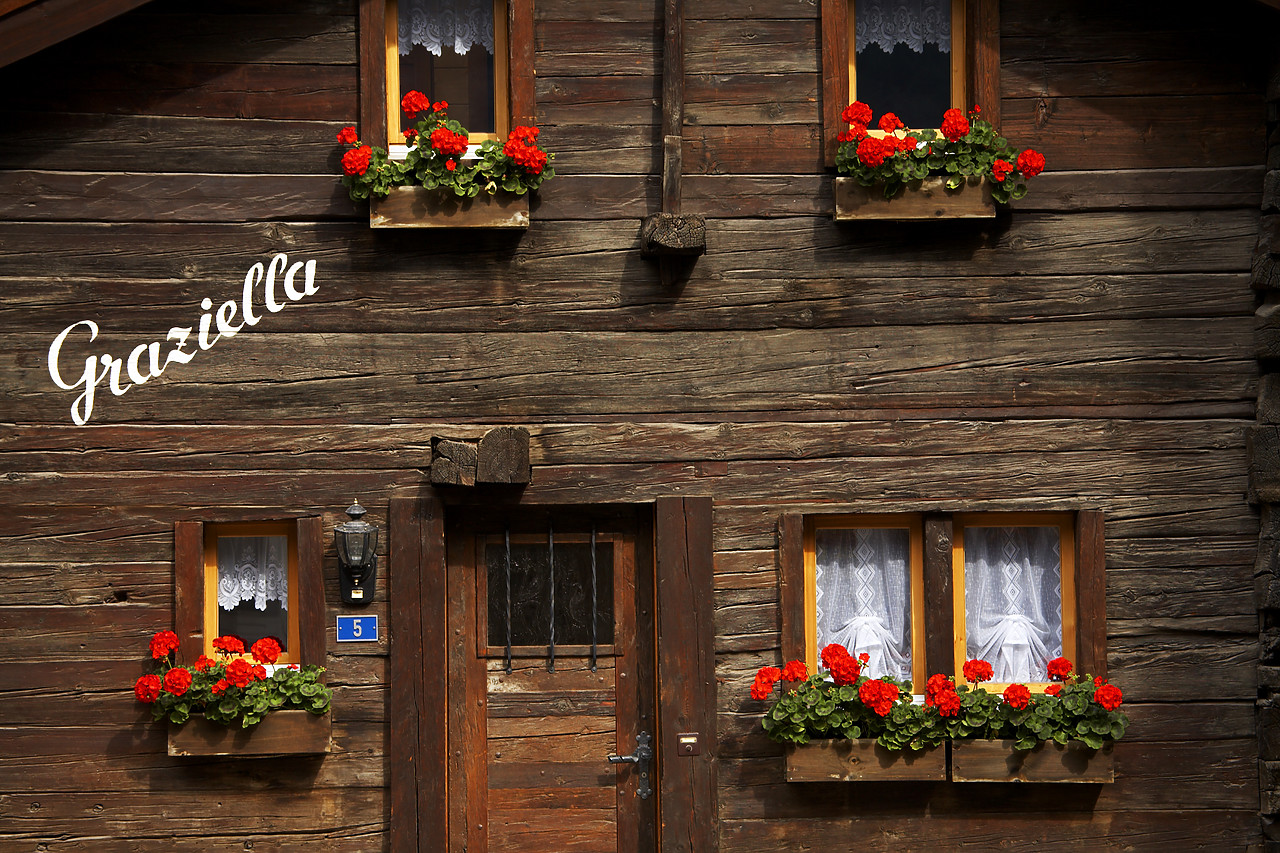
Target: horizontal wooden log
635,300
771,97
590,48
1042,828
999,761
1078,244
119,96
1048,364
176,447
754,46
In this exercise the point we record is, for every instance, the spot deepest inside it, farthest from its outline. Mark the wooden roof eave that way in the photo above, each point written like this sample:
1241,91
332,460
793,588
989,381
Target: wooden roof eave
29,26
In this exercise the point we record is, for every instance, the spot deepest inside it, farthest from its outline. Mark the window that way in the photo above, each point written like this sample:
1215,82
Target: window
923,593
251,579
1014,582
864,590
454,51
915,58
484,67
249,572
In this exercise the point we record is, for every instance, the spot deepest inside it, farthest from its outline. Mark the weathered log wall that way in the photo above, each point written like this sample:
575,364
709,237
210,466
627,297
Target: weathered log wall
1091,349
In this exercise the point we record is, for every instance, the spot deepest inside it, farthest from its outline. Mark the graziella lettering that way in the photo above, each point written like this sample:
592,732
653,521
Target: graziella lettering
149,360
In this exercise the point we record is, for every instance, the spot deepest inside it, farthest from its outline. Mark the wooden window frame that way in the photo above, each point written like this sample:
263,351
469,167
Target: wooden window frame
212,532
192,593
975,70
914,526
940,590
376,108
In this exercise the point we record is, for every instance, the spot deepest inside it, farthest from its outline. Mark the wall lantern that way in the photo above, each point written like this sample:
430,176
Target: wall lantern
357,543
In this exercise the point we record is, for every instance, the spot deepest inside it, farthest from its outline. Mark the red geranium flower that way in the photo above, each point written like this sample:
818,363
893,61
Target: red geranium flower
347,136
908,143
163,643
1059,669
521,146
765,679
220,687
1030,163
937,685
356,161
414,102
259,672
856,113
845,671
872,152
1053,690
147,688
831,652
864,658
954,124
451,164
1001,169
878,695
203,663
447,142
410,134
1017,696
890,122
177,680
266,650
949,704
977,671
239,672
440,106
229,645
1108,696
795,671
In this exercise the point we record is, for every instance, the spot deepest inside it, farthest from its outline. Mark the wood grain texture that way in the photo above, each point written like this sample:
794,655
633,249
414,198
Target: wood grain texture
686,673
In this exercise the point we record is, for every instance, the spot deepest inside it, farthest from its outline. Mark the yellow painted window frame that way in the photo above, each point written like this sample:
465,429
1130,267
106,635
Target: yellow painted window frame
501,74
287,529
1065,522
959,50
913,523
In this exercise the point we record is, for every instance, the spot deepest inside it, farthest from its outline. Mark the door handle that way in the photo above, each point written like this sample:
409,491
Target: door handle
640,758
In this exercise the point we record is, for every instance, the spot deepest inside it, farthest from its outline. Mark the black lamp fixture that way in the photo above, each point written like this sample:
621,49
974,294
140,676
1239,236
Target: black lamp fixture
357,543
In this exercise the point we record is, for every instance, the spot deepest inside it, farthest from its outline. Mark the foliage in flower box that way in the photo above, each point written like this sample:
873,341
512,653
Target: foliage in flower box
966,147
229,689
845,703
437,158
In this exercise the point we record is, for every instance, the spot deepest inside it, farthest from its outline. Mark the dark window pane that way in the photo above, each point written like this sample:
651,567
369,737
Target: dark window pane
531,593
253,588
465,80
915,86
250,624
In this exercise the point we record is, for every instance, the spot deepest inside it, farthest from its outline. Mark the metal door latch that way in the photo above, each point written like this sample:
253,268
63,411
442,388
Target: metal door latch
640,758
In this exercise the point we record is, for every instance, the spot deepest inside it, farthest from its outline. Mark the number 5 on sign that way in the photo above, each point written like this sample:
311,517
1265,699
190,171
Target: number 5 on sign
357,629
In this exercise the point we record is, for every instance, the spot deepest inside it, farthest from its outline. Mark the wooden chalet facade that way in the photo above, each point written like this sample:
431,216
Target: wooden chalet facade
1101,352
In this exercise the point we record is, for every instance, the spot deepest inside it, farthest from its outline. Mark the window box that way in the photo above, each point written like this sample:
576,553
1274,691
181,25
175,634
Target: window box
280,733
419,207
863,761
998,761
927,199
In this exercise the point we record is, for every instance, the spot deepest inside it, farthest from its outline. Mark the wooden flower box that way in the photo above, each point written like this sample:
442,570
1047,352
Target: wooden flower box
863,761
927,199
279,733
419,207
998,761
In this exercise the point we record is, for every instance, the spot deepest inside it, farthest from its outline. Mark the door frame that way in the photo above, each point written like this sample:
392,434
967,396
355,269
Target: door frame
418,754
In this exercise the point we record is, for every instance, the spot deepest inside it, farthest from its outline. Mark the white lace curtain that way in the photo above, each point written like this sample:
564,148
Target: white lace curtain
435,24
863,581
1013,599
253,568
887,23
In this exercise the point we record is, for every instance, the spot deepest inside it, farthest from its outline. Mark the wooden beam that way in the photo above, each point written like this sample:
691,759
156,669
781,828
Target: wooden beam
188,589
791,585
1091,594
686,674
373,70
310,601
31,27
939,637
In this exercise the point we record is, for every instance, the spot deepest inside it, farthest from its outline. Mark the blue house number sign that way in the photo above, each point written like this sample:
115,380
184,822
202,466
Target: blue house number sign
357,629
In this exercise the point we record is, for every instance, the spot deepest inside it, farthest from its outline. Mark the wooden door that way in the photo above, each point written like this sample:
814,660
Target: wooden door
550,626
